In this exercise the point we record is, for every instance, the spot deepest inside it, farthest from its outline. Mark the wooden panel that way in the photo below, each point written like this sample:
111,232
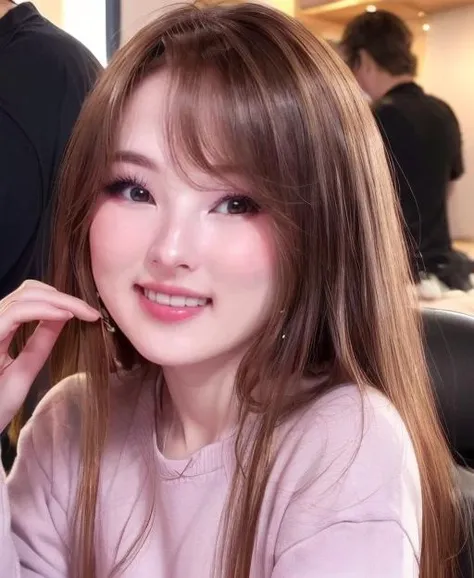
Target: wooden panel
431,6
341,11
466,247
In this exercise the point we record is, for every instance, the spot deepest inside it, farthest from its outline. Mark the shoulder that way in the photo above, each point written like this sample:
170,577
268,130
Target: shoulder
66,56
387,112
46,62
58,417
346,474
57,72
394,124
346,470
386,105
49,447
348,413
350,442
445,113
43,41
441,105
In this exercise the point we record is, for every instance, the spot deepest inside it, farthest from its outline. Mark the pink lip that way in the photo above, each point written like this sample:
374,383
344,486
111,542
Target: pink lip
166,313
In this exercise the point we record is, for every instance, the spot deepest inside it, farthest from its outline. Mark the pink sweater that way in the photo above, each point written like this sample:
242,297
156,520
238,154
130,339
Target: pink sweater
338,504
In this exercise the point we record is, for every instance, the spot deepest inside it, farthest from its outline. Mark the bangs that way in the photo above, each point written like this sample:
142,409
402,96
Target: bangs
227,116
200,128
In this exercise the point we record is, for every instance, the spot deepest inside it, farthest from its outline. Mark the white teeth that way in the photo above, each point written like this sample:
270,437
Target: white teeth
161,298
174,300
192,302
177,301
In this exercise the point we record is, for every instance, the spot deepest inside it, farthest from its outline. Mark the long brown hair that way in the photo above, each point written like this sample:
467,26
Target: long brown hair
287,115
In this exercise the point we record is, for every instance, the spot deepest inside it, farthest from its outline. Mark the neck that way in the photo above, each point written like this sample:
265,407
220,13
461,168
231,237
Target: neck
5,7
389,82
199,406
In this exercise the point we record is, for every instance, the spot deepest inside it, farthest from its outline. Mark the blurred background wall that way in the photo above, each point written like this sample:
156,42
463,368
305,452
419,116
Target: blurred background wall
448,71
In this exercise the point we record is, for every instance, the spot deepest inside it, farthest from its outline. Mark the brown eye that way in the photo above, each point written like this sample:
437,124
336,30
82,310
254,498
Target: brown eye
237,205
130,191
137,194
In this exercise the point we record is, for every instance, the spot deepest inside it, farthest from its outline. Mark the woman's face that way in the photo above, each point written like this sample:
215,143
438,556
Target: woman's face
187,274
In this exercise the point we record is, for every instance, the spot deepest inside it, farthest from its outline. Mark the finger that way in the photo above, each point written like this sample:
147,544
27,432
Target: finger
36,291
19,313
21,373
33,283
27,288
37,350
59,300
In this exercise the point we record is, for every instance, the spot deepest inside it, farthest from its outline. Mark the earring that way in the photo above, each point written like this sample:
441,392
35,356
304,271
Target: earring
106,319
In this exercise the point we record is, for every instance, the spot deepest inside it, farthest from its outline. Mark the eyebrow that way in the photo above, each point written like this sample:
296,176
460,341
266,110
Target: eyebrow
135,158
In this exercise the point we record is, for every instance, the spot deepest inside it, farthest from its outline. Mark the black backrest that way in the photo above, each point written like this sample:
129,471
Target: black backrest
449,346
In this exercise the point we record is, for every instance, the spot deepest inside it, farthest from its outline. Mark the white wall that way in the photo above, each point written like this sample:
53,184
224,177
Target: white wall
136,13
448,72
85,20
50,9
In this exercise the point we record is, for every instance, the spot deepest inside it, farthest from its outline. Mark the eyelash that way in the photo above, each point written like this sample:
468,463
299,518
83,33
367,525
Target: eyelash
119,183
115,187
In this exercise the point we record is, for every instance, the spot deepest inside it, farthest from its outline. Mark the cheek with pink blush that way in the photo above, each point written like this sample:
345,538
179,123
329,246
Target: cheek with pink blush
244,261
117,237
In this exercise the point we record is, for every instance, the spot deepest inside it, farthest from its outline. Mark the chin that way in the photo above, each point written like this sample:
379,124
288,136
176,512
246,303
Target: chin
185,345
177,358
180,349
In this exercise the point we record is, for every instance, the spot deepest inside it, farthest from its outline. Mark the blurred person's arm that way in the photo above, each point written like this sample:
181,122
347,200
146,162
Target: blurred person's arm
20,199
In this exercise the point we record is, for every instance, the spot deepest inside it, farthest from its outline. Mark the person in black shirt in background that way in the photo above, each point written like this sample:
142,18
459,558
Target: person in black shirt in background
422,136
45,75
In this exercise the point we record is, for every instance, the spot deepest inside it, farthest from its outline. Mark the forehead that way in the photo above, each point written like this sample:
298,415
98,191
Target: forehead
152,126
142,123
176,119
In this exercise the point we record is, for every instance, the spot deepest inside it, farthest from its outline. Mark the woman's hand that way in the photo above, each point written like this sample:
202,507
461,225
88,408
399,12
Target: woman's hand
32,301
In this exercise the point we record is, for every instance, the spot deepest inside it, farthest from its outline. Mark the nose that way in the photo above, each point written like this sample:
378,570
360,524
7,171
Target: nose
175,243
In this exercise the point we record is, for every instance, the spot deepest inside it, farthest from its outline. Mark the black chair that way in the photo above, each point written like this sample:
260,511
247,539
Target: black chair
449,348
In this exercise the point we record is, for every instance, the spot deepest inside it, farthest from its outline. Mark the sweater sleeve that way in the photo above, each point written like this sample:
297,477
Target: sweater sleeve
355,506
35,499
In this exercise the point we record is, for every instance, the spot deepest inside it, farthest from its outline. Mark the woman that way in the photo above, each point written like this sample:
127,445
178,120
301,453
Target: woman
253,401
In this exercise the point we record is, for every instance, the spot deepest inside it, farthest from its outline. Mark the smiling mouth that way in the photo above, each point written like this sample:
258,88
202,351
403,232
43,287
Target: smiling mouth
178,301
